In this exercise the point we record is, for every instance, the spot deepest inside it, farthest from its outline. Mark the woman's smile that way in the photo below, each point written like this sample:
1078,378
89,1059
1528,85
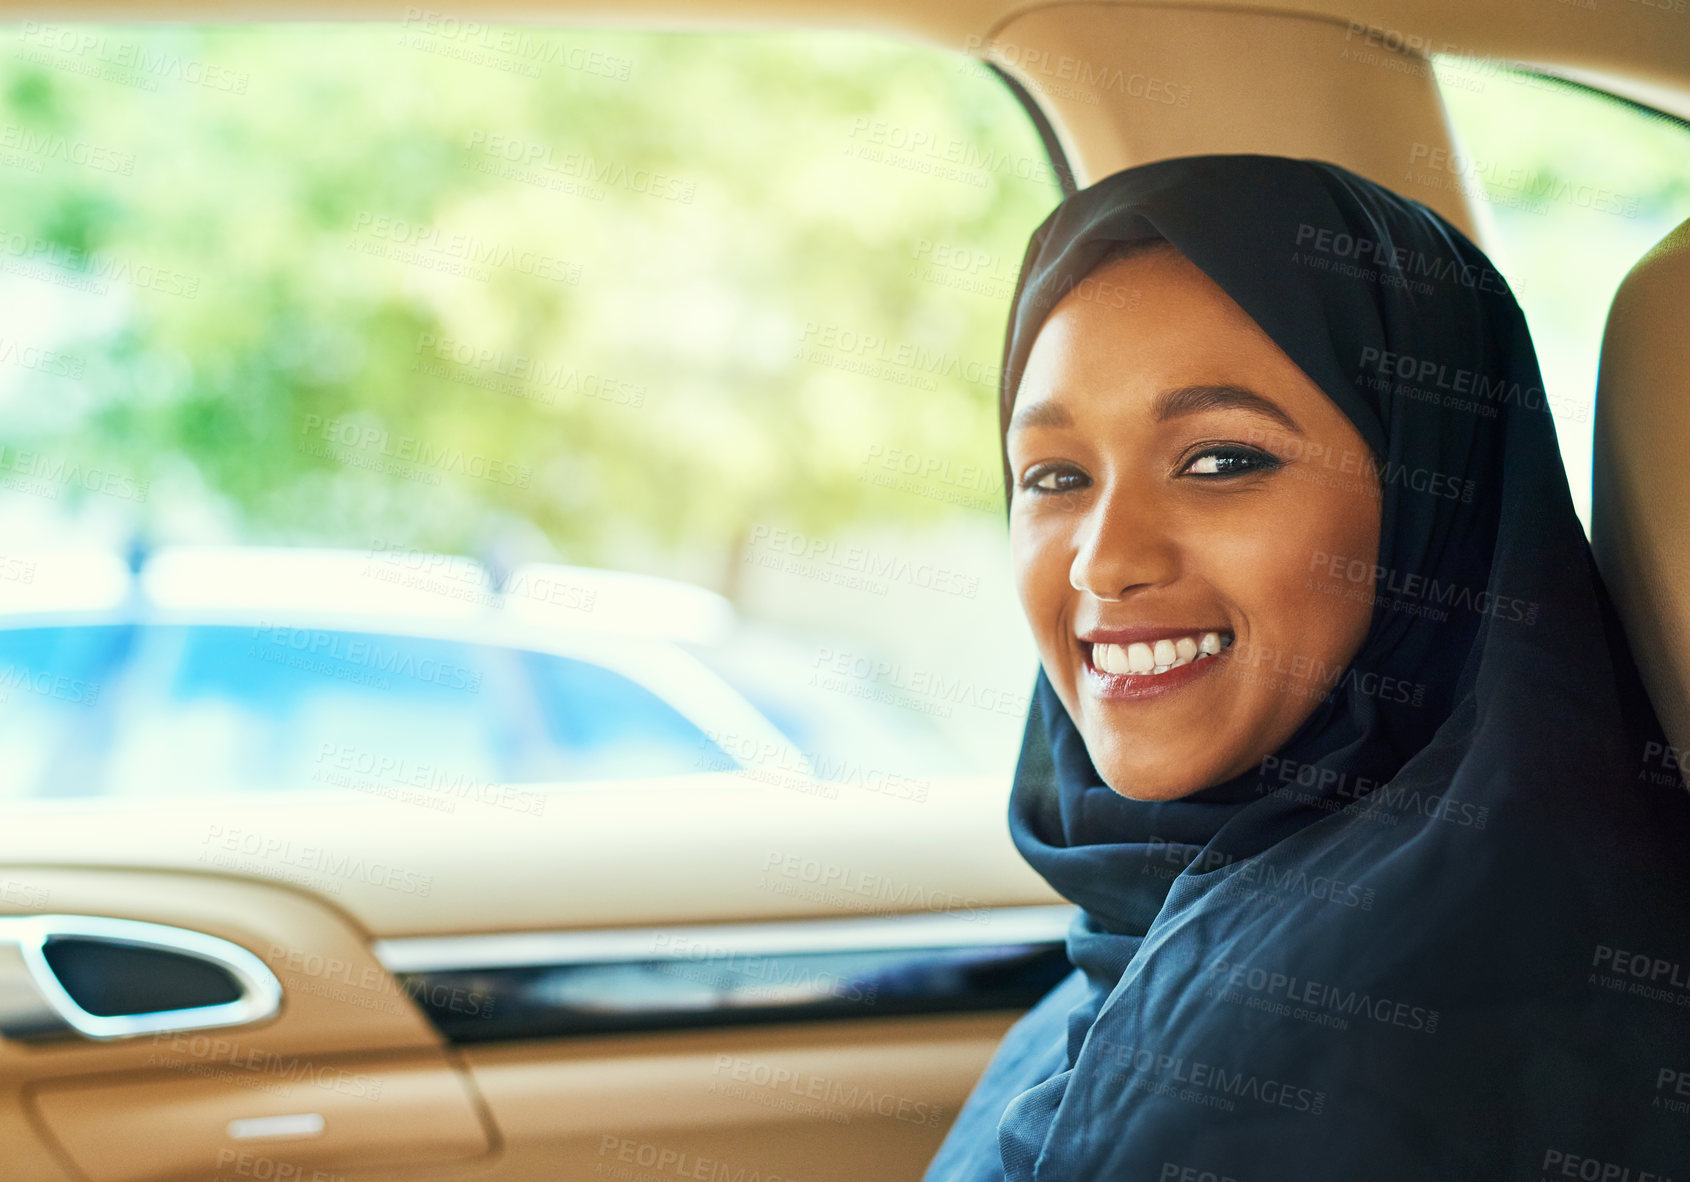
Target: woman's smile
1132,664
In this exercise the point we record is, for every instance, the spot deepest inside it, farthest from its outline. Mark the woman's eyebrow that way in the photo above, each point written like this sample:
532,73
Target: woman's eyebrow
1190,400
1040,414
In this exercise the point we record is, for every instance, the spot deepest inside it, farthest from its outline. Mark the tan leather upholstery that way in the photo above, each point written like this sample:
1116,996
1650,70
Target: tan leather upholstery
1127,84
1640,507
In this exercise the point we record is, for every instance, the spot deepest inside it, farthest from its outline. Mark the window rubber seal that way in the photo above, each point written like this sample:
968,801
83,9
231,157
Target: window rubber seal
1041,124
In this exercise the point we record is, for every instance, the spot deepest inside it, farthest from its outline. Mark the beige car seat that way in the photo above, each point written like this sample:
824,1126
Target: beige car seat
1640,503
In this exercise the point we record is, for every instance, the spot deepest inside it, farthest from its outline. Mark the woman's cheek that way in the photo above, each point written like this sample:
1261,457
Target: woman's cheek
1327,580
1041,559
1271,565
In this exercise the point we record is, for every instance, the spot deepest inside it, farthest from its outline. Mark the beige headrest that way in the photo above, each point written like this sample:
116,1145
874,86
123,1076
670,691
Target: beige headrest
1640,494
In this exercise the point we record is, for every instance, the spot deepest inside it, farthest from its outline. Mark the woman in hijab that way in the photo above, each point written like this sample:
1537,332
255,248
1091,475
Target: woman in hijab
1388,880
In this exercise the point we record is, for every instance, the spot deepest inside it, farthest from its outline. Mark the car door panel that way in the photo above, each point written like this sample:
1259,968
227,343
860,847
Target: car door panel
345,1045
622,854
821,1102
385,925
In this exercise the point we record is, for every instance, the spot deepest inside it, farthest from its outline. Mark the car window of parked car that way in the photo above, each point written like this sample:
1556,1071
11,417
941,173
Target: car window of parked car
157,710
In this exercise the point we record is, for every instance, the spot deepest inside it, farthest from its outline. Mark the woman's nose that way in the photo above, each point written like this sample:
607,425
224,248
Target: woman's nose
1123,542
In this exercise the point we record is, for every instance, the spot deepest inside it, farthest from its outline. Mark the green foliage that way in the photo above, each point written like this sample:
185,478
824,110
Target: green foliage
681,210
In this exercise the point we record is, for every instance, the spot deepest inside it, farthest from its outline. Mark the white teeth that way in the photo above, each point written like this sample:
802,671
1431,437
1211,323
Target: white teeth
1141,658
1109,657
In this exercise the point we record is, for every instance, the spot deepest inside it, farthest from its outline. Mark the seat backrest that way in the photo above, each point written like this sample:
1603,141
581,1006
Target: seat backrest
1640,495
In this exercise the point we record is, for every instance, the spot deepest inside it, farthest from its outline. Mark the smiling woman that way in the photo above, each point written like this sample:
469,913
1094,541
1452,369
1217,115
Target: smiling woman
1336,740
1161,517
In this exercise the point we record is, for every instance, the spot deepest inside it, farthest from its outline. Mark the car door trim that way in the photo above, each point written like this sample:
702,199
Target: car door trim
535,985
977,927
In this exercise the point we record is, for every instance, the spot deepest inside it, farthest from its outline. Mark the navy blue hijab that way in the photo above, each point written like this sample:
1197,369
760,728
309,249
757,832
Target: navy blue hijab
1444,931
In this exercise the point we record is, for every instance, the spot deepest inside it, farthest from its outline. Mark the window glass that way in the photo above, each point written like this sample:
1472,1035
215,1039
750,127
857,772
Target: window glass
51,682
723,309
1572,187
598,724
161,709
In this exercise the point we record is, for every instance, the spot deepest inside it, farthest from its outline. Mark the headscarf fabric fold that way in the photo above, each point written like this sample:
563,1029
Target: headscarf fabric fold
1443,933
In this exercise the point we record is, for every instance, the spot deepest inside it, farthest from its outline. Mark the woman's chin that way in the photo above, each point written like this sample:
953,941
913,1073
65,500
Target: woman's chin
1153,782
1144,765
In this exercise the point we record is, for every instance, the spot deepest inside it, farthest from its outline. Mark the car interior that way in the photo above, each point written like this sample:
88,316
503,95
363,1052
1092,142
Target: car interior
685,970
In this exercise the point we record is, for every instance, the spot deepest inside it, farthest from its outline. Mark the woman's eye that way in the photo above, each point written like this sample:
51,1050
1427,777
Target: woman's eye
1230,461
1051,480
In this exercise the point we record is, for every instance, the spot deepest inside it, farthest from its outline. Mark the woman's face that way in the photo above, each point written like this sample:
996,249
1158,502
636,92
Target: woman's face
1180,486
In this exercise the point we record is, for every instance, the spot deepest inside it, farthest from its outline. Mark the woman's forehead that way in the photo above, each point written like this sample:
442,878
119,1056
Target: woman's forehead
1092,356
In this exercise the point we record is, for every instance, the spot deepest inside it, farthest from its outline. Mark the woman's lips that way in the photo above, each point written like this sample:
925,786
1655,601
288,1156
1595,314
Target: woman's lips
1132,670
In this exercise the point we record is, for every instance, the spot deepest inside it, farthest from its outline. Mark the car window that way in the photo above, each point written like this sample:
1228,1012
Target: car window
723,309
51,683
600,725
1574,187
155,710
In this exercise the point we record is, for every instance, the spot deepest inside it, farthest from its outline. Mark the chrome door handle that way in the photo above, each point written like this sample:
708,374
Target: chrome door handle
35,1004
